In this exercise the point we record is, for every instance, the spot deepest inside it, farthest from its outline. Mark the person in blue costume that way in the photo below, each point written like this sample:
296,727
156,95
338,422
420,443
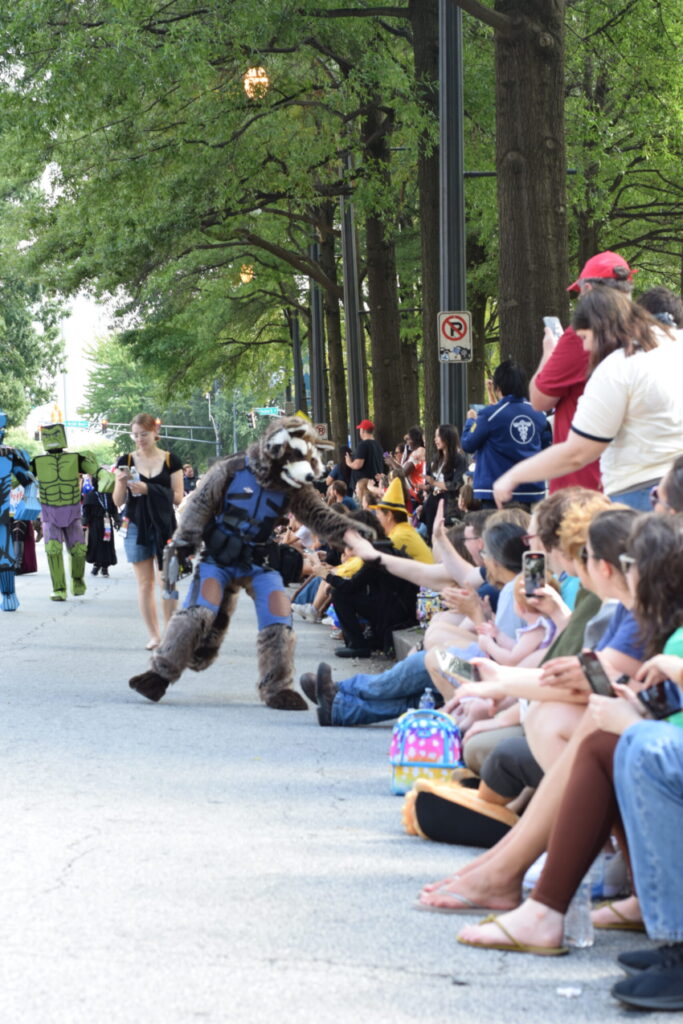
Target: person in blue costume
505,433
231,517
13,462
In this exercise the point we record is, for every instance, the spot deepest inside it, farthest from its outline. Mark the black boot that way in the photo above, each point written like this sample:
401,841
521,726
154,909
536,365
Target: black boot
94,571
150,684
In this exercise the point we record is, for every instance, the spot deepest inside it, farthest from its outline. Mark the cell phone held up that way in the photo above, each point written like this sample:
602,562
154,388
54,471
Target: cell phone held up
598,680
533,570
452,666
555,326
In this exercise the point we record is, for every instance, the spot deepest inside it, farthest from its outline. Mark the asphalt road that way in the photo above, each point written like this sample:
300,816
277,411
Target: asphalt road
209,860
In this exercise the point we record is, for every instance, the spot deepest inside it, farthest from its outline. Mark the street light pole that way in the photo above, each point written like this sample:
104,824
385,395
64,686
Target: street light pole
316,350
453,286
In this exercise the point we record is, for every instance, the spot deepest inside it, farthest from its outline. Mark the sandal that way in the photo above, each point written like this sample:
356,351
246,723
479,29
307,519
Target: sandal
464,905
513,946
621,924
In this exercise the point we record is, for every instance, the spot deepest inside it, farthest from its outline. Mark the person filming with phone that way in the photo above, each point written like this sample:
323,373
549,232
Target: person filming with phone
150,483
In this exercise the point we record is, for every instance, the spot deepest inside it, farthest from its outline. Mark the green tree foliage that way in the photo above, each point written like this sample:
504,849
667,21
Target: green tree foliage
31,350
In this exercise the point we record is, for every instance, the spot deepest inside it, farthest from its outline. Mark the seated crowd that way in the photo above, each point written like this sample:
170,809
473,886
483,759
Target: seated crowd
562,708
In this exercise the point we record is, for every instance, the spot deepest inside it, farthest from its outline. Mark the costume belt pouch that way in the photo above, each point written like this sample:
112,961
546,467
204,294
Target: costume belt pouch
425,744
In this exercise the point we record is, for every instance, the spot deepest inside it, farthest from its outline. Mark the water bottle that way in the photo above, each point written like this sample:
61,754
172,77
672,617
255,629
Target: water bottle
427,700
134,475
578,927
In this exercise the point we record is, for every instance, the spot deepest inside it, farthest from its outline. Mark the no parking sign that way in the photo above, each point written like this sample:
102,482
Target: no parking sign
455,337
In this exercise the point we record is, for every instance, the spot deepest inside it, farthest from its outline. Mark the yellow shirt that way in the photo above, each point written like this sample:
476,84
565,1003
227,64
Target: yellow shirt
405,538
348,568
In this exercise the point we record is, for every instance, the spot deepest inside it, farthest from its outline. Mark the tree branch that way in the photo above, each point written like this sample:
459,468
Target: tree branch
500,22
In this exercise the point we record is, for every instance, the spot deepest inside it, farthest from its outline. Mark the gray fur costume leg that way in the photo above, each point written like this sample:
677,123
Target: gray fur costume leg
275,650
186,631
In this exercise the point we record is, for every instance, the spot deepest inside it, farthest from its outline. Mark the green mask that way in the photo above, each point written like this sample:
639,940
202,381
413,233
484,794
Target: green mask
53,436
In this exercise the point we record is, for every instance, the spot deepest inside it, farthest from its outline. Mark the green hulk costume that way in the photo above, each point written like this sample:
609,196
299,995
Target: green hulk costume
57,472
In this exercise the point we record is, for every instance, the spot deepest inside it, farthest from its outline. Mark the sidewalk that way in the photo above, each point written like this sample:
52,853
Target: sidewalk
208,859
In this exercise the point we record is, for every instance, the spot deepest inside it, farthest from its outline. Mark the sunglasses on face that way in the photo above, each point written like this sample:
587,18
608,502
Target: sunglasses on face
626,562
656,500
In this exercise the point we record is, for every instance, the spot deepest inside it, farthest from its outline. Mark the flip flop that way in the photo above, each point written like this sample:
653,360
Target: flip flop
622,923
467,906
513,946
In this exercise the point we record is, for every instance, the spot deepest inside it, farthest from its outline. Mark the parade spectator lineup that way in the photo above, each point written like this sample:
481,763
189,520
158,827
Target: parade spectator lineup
564,764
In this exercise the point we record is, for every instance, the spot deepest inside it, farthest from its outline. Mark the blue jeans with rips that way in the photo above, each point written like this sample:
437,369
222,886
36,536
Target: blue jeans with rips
648,776
364,699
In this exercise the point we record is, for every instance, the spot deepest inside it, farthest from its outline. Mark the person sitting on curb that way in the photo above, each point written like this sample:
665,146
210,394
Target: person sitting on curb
359,598
363,699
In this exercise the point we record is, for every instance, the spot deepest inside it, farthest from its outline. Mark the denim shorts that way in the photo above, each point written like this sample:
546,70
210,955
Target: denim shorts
137,552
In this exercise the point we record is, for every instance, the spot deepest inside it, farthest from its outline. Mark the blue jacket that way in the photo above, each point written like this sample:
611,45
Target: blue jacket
502,435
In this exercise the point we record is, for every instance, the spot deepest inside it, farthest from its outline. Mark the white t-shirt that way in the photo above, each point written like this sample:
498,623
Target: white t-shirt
636,403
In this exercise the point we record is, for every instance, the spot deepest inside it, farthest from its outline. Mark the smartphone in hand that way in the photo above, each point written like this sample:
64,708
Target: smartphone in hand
598,680
662,699
452,665
555,326
533,570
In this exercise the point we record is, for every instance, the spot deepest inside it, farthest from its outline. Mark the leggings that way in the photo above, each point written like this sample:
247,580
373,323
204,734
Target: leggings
587,816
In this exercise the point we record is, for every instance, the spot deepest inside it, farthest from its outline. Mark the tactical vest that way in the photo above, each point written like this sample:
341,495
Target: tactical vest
249,515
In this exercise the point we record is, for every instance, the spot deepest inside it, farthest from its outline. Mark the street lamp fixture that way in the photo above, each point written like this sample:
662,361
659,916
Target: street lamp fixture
256,83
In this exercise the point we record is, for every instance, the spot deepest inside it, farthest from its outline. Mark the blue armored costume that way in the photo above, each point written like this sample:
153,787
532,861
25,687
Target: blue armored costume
13,461
235,546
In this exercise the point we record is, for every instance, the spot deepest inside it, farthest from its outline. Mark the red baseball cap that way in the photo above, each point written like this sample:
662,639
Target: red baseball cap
604,265
365,425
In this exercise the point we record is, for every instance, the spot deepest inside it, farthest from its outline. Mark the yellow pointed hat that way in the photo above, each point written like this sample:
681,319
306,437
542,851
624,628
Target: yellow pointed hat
393,499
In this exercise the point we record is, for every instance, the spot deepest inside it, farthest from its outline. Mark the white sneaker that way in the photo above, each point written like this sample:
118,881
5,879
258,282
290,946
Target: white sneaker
307,612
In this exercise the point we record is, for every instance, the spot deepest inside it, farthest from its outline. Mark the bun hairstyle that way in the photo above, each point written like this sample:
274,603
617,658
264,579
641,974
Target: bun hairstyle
147,422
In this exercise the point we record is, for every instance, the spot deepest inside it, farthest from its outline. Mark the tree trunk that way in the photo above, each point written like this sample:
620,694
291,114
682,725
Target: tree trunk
382,283
424,19
336,381
385,342
531,174
477,369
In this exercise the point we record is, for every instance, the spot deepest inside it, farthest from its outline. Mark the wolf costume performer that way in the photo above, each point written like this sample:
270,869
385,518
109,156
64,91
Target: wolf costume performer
233,512
13,462
58,472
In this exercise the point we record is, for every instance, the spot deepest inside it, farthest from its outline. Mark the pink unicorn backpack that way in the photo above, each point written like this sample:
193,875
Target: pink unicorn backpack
425,744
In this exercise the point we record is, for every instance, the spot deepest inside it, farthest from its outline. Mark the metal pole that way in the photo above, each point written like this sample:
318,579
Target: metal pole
453,287
316,344
354,356
299,390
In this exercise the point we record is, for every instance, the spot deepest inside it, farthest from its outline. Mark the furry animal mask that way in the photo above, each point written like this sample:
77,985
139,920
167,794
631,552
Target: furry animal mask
287,454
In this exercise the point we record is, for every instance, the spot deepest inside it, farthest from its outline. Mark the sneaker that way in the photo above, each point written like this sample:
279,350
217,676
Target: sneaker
325,692
638,960
658,988
308,683
307,612
327,621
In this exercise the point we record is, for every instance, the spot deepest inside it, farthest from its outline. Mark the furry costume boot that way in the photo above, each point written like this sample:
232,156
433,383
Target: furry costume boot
186,630
275,650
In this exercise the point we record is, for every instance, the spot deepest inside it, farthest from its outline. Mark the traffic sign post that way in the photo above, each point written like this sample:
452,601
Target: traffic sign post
455,337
